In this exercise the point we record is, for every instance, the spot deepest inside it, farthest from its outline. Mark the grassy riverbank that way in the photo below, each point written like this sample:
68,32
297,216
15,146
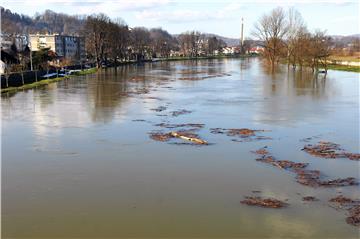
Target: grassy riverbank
46,81
344,68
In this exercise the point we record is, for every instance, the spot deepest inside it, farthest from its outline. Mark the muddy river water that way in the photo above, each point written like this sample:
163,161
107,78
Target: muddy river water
78,160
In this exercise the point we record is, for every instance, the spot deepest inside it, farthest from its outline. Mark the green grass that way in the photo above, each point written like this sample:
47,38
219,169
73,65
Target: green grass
45,82
344,68
345,58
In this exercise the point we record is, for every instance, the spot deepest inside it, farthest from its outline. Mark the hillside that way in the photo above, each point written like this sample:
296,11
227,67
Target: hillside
48,21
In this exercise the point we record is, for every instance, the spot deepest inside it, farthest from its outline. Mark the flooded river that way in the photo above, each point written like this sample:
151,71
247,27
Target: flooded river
78,160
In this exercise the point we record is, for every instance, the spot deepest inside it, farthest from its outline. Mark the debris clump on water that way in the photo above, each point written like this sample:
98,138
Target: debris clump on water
159,136
243,133
329,150
263,202
312,178
310,199
180,112
351,206
184,135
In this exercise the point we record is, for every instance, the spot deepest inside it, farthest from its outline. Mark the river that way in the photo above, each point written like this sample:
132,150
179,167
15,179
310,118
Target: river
78,160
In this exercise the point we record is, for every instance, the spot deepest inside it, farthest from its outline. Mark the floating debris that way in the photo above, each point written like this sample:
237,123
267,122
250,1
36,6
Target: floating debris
189,137
244,134
349,181
180,112
341,200
234,132
158,136
312,178
352,207
264,202
283,164
310,199
184,135
138,120
308,177
262,151
304,176
159,109
354,217
329,150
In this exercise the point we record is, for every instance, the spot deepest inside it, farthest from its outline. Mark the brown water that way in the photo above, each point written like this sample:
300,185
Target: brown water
75,164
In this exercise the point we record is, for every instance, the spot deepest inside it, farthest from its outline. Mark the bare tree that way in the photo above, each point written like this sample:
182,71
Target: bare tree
140,41
95,29
162,42
296,29
320,48
272,29
117,39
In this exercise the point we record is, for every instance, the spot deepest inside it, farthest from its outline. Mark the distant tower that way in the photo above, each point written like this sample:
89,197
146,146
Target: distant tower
242,49
242,32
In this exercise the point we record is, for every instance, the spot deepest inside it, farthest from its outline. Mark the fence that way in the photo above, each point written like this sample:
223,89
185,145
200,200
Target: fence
16,79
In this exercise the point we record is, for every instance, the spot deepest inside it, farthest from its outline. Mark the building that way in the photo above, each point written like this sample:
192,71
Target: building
231,50
69,47
256,50
7,40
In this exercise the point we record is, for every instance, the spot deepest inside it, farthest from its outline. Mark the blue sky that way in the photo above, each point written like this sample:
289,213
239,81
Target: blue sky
223,17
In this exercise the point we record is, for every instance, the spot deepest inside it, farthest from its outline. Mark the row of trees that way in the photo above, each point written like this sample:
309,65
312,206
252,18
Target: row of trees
194,43
109,39
286,37
112,39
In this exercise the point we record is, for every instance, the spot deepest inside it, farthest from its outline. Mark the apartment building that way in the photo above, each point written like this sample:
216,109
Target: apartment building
70,47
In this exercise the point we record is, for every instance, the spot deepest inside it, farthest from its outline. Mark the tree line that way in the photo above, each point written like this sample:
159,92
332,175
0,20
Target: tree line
108,39
285,37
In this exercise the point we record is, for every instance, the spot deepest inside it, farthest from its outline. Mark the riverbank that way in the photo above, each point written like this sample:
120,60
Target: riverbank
344,68
46,81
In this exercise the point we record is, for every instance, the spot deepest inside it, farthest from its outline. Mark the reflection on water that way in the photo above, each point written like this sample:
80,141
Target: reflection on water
78,160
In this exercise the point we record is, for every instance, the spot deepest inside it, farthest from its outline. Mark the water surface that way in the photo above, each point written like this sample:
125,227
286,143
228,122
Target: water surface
78,162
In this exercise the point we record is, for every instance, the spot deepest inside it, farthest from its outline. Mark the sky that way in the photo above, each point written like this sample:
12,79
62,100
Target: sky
222,17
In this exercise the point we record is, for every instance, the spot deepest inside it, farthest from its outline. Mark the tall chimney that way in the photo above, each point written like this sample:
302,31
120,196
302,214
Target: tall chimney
242,32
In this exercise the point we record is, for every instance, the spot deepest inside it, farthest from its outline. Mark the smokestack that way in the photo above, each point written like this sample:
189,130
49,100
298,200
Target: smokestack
242,32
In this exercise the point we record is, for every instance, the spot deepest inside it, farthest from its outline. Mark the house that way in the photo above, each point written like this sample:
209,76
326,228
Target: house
231,50
68,47
256,50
